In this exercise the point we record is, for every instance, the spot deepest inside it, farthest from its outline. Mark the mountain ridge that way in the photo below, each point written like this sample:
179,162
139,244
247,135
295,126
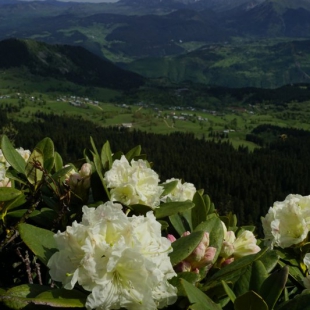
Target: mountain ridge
65,62
244,65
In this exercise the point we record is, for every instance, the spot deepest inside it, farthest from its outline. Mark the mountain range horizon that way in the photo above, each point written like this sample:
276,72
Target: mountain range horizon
233,43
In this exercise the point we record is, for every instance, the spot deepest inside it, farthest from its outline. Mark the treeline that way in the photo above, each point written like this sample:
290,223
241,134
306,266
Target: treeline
246,183
252,95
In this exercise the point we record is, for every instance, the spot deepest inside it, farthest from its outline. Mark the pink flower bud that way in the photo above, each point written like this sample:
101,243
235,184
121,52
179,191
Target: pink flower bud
197,254
209,255
227,262
206,239
171,238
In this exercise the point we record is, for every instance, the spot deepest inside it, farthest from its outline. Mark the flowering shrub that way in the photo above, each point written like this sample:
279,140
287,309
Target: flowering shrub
123,261
107,233
133,183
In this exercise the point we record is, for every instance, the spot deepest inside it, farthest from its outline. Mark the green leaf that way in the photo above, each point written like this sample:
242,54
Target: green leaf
270,260
187,215
98,167
207,200
184,246
214,227
40,241
196,296
140,209
199,212
19,297
229,291
230,220
177,223
164,225
12,156
300,302
250,228
173,207
273,286
33,173
106,156
20,212
198,306
13,175
9,193
94,146
12,204
58,161
45,217
242,285
250,300
212,208
136,151
168,187
232,272
61,173
258,276
117,155
190,277
61,298
46,147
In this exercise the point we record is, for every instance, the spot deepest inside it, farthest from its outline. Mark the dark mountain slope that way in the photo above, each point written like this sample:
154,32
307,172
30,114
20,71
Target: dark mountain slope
73,63
272,18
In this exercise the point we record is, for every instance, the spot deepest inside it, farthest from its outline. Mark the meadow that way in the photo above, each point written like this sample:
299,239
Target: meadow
231,123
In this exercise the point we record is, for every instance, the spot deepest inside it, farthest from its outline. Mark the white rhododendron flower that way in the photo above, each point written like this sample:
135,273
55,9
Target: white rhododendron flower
122,261
133,183
2,171
287,222
3,160
6,182
182,191
236,247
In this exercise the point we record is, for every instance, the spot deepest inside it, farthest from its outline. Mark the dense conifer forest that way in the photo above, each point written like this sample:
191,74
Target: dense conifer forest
246,183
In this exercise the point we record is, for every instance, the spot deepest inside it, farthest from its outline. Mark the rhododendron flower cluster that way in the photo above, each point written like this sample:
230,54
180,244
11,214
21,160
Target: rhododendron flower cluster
235,247
81,178
79,181
200,258
182,191
133,183
122,261
287,223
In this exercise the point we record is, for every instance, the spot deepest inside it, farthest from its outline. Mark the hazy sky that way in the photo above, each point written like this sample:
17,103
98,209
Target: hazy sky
93,1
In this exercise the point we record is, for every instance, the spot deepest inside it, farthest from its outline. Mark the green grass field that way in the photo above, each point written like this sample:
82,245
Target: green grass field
23,98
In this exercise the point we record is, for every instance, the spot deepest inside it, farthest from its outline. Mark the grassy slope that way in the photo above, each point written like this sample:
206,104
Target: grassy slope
155,119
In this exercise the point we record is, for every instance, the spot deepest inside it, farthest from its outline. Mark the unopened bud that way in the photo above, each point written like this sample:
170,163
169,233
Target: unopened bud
85,170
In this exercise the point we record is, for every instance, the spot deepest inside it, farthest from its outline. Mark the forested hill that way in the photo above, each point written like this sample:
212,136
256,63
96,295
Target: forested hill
236,180
65,62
